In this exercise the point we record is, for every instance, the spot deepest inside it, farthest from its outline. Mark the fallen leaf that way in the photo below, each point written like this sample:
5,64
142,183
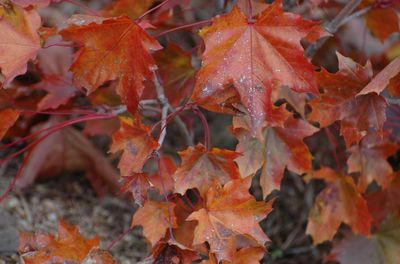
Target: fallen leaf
67,247
68,150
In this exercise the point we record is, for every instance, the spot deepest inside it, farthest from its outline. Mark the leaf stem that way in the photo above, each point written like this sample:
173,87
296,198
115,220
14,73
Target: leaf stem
174,113
119,238
333,26
207,139
152,10
192,25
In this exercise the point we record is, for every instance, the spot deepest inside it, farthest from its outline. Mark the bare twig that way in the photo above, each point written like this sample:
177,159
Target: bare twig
333,26
165,103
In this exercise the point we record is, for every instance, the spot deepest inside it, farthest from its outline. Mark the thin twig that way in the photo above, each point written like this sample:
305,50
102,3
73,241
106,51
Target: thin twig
164,101
333,26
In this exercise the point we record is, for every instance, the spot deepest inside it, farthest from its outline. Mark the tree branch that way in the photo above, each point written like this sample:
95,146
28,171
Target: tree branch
333,26
165,103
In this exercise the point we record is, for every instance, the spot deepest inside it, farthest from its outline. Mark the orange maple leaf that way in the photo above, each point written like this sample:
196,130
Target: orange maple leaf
68,246
200,168
155,218
19,41
251,57
340,202
280,147
230,211
134,139
8,117
369,158
358,114
113,49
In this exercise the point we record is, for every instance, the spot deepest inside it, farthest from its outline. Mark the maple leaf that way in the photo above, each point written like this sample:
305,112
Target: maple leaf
20,41
137,185
250,255
357,114
338,203
134,139
230,211
68,150
113,49
8,117
253,56
166,253
155,218
279,148
381,247
200,168
382,79
382,22
163,179
54,63
369,158
100,257
382,203
67,247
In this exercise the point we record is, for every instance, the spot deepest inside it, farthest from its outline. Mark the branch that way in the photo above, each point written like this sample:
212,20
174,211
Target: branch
165,103
333,26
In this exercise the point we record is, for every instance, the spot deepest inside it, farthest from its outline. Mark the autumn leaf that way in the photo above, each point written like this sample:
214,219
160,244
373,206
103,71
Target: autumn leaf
163,179
20,41
383,202
200,168
8,117
253,57
382,22
68,150
67,246
134,140
100,257
54,63
357,114
138,184
382,247
167,253
369,158
155,218
338,203
250,255
382,79
230,211
113,49
279,148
